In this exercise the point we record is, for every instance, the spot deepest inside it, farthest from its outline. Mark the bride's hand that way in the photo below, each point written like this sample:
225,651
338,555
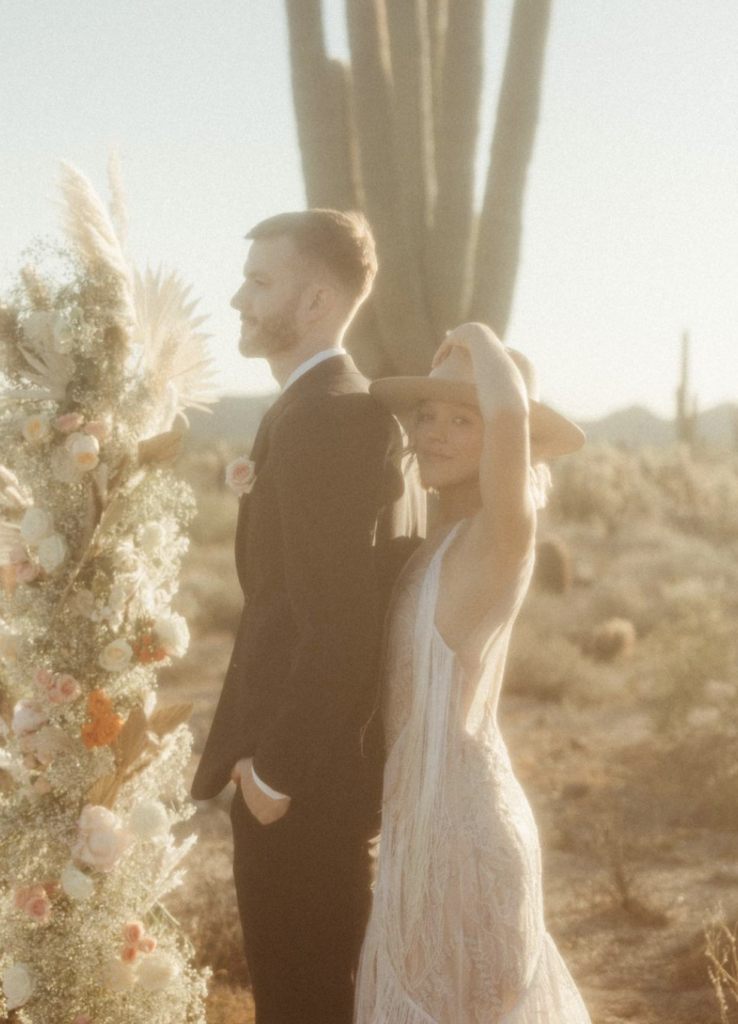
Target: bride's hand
460,337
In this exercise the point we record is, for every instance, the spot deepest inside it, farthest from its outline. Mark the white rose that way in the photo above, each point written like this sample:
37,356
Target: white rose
48,742
28,715
173,634
62,336
152,538
101,839
149,820
36,524
17,985
51,552
116,656
118,977
36,429
157,972
38,328
84,450
63,467
76,884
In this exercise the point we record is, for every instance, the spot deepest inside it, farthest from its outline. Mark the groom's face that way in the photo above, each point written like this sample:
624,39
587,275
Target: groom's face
269,300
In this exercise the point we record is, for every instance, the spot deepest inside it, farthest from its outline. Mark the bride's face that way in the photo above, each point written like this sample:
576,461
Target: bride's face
447,439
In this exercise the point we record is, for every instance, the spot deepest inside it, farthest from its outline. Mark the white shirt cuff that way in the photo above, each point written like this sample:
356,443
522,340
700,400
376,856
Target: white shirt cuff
267,789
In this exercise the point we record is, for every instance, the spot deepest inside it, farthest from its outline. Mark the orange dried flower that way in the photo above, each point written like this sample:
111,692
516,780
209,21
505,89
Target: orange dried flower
99,703
105,726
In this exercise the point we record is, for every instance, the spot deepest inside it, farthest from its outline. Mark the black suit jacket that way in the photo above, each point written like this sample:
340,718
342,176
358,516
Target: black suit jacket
320,539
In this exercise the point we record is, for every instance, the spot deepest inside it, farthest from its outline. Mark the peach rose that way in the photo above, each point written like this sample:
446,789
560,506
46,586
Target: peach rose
69,422
98,429
133,932
23,895
241,475
26,572
84,450
36,429
38,908
63,689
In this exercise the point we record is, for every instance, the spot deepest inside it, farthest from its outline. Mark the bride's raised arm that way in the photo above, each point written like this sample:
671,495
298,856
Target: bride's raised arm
507,519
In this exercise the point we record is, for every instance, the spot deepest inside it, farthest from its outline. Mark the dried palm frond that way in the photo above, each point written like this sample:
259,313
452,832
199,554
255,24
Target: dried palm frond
50,372
88,226
118,204
36,289
175,360
10,538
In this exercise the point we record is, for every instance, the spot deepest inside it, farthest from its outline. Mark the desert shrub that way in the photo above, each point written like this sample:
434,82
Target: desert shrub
686,662
548,667
554,565
600,484
694,493
612,638
654,575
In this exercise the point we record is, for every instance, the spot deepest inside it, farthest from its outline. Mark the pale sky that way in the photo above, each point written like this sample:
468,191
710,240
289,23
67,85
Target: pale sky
631,219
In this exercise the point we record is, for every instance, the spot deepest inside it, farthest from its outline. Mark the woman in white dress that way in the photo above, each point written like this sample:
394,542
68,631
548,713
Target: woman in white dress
456,934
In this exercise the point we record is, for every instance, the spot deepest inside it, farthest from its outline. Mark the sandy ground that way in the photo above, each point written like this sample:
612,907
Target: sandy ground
630,880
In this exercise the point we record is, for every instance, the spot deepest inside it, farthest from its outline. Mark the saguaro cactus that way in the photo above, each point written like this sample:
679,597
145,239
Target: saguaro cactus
396,134
686,402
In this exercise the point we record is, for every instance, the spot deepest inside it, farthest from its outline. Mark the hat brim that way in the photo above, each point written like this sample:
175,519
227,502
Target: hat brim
551,434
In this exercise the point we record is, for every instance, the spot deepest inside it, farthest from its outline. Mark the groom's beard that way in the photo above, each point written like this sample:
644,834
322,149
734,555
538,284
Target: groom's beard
274,333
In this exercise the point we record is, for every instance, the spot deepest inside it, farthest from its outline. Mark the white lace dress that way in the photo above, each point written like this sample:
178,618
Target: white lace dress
456,934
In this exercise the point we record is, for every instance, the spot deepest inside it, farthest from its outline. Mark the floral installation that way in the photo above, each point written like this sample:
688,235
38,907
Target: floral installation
97,367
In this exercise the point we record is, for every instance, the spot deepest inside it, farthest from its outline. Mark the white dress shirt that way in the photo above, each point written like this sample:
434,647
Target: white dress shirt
327,353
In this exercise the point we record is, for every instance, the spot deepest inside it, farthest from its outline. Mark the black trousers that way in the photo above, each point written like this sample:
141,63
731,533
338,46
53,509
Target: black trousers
303,887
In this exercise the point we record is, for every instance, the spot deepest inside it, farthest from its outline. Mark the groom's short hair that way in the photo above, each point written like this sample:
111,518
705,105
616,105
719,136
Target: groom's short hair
341,241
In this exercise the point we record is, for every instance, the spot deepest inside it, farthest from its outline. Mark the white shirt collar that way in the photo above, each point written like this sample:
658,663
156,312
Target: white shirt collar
310,363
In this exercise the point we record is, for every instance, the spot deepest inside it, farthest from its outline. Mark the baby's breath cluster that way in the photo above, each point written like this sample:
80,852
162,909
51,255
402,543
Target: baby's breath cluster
97,366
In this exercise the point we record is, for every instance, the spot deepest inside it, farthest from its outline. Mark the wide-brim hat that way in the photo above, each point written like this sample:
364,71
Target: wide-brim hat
551,434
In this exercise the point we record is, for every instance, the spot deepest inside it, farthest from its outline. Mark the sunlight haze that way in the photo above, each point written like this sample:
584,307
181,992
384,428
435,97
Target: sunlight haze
632,203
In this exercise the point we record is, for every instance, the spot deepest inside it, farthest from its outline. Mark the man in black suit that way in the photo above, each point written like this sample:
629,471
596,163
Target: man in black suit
320,539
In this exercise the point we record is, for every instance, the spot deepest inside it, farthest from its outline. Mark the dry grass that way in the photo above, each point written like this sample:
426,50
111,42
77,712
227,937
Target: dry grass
722,955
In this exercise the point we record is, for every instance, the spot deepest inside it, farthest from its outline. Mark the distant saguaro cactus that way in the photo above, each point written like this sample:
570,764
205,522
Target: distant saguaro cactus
686,403
395,134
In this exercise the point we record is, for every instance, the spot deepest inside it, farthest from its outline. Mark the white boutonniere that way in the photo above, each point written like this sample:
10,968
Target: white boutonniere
241,475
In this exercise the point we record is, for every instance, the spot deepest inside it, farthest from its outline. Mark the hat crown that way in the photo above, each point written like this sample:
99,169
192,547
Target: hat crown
457,368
